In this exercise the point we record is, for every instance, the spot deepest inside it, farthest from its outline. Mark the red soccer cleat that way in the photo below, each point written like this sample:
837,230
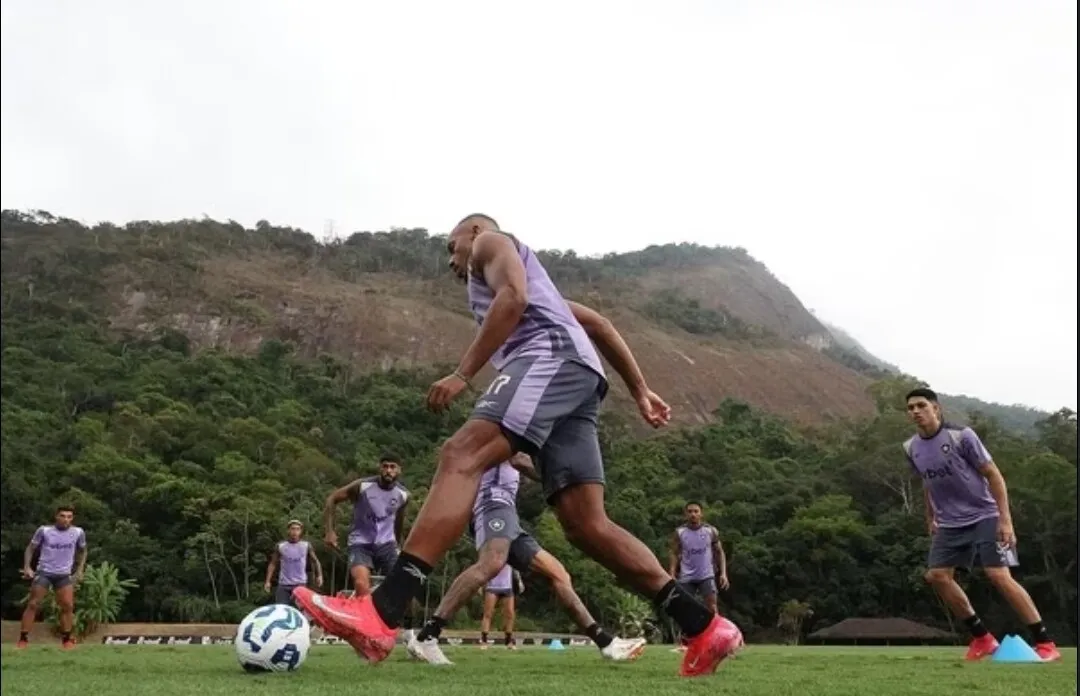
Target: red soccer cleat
353,620
1047,651
981,647
705,651
68,644
21,645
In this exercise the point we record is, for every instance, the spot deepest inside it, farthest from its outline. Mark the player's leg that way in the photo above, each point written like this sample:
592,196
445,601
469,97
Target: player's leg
491,559
996,560
525,551
491,601
706,592
951,548
283,595
64,588
361,563
509,610
39,587
572,470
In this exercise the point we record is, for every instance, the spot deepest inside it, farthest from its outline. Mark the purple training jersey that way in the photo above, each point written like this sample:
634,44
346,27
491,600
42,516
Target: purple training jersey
950,464
374,512
504,581
292,559
696,552
547,328
57,548
498,486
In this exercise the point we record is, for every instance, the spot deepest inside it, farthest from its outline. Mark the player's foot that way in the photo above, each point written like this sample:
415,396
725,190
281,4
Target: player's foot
981,647
705,651
624,649
407,636
484,645
21,645
354,619
68,644
1047,651
427,651
511,646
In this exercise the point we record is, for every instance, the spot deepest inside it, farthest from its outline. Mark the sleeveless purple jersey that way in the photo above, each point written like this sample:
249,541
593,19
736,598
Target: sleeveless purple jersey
949,463
292,559
374,512
56,548
547,328
696,546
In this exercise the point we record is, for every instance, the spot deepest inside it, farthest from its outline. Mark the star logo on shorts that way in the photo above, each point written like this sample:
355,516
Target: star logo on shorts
496,525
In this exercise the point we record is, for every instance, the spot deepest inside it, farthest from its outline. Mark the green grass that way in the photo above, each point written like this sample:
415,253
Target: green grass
98,670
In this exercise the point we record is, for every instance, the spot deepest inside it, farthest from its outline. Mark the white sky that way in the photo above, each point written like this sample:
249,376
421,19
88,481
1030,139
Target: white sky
907,168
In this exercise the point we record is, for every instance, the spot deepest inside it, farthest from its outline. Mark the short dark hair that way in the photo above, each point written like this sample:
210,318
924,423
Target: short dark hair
924,392
64,508
479,216
295,523
388,456
693,502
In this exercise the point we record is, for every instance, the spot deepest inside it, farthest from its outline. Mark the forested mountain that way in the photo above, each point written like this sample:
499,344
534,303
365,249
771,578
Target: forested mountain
190,386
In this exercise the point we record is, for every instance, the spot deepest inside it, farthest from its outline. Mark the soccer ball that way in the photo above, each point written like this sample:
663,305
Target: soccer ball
275,638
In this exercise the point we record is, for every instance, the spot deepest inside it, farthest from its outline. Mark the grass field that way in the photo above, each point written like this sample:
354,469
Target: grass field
758,671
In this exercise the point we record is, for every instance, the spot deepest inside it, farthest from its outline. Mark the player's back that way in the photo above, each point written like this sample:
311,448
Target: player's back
547,329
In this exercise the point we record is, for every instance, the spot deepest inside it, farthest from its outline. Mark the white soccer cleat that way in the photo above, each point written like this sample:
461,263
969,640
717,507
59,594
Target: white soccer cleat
427,651
624,649
407,636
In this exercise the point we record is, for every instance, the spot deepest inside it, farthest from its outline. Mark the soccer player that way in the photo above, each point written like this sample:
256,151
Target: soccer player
62,548
378,522
968,517
545,402
501,540
291,557
697,557
501,590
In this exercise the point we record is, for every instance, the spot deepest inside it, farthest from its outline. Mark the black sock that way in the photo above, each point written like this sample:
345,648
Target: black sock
1038,633
975,625
432,628
65,636
483,636
23,635
599,636
407,622
509,638
688,612
400,586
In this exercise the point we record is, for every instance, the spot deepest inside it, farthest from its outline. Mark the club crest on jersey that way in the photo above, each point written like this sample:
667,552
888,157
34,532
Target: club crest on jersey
496,525
946,448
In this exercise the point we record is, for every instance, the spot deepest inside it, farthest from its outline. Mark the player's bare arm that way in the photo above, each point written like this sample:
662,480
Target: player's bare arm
674,550
1000,492
524,465
28,560
80,562
314,558
338,496
931,522
271,567
614,348
720,558
399,524
496,258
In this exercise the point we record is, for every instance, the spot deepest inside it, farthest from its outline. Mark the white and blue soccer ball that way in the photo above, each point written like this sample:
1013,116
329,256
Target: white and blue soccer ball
274,638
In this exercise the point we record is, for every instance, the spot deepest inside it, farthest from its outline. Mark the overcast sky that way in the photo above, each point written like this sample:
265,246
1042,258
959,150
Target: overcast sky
907,168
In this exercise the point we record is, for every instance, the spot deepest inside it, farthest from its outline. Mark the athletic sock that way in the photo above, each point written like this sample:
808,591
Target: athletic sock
509,637
401,585
432,629
483,637
1039,633
685,609
975,625
24,636
65,636
599,636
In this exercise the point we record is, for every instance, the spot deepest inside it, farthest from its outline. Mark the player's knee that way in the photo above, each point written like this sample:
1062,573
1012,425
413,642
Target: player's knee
33,604
1000,578
938,576
458,456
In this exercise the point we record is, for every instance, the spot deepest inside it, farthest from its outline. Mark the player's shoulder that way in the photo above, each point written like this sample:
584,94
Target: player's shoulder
713,531
79,531
680,529
365,482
